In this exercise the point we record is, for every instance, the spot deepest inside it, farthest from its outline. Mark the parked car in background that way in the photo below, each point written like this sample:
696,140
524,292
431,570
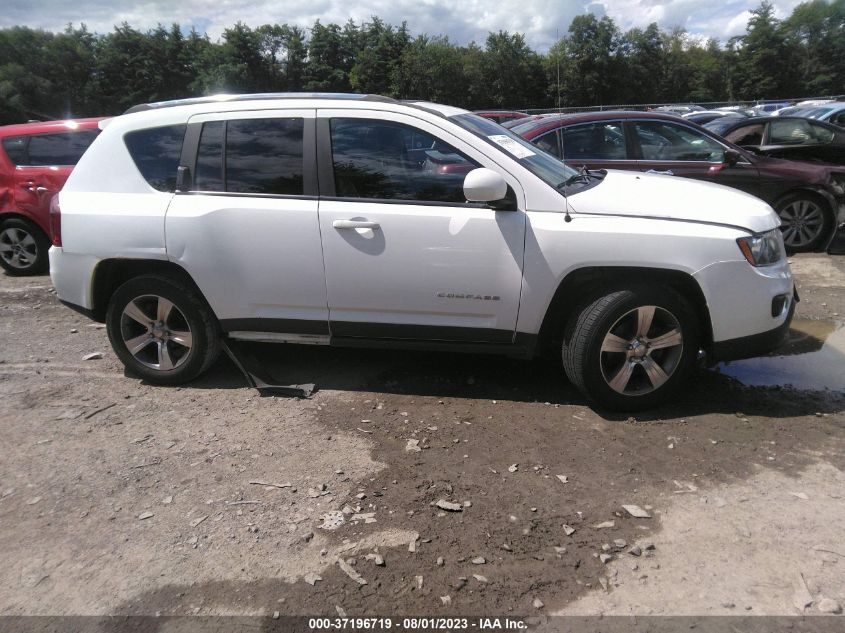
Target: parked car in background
793,138
302,219
796,110
35,161
680,110
512,123
710,115
500,116
766,108
831,113
809,198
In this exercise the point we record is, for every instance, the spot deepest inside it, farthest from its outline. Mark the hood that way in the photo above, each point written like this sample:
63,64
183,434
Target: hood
638,194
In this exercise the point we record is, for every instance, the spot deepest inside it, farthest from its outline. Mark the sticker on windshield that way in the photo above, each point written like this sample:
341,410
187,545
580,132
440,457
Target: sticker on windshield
509,144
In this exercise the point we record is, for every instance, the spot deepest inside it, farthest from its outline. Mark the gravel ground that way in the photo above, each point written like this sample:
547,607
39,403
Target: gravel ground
124,498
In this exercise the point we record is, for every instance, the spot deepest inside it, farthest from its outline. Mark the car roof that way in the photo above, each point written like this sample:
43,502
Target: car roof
42,127
533,129
234,102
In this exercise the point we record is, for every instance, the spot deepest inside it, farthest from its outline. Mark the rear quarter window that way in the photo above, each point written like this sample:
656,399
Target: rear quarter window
38,150
156,153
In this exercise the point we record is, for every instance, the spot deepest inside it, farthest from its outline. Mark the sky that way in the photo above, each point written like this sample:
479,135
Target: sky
463,21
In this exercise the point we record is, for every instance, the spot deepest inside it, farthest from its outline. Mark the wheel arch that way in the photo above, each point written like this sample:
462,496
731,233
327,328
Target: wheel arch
586,284
19,215
110,274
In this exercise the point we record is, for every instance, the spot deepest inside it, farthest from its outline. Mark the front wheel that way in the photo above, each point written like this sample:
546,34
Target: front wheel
162,330
805,221
23,248
631,349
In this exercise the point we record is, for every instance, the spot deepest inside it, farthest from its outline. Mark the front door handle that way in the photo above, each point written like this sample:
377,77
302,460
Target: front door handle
356,224
668,172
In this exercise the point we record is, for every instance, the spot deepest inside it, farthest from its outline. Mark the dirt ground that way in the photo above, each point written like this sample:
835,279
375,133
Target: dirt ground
124,498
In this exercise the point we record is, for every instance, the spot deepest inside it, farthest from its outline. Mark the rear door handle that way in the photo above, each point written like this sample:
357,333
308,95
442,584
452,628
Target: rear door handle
356,224
668,172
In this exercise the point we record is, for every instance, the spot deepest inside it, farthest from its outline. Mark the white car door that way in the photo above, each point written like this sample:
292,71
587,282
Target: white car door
406,256
247,230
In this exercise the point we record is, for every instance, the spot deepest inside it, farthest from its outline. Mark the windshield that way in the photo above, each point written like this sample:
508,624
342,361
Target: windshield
545,166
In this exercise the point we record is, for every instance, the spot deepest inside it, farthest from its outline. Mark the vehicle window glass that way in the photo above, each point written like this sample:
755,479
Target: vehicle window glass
546,167
798,133
156,153
264,156
15,147
594,141
667,141
63,148
209,176
387,160
548,142
748,135
838,119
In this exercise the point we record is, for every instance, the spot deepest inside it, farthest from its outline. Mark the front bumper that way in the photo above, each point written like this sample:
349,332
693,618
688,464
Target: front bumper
755,344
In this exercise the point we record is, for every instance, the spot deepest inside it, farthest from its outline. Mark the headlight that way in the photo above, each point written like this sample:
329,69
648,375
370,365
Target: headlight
837,184
764,249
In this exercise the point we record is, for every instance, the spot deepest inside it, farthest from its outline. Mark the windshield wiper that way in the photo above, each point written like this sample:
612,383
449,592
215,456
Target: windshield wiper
583,176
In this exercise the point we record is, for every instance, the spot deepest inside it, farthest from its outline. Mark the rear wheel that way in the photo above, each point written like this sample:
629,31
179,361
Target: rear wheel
805,221
23,248
162,330
631,349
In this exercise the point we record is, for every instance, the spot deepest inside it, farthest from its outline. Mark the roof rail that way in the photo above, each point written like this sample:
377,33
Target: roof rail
226,98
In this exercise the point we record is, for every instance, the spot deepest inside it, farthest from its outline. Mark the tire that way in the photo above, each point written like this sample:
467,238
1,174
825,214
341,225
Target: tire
24,249
806,221
176,346
610,343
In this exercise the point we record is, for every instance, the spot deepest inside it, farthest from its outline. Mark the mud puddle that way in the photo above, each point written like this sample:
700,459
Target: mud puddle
812,358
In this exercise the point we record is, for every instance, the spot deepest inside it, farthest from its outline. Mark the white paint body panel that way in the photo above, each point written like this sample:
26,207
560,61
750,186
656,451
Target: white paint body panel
283,258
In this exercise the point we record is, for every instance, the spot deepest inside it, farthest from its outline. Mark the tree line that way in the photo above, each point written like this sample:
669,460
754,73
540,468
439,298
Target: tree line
80,73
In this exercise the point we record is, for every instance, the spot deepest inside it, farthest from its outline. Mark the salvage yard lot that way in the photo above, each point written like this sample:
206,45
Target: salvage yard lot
124,498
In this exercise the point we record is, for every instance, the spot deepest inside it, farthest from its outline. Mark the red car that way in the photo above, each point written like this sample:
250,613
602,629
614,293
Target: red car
35,161
809,198
500,116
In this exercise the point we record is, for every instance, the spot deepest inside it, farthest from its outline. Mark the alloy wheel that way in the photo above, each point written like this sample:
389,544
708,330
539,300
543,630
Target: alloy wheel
156,332
18,248
641,350
801,222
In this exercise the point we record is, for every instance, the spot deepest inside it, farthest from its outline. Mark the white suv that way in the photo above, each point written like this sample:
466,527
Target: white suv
363,221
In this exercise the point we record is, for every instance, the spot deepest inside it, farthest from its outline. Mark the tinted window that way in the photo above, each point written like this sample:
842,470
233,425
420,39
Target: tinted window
548,142
603,141
382,159
61,148
264,156
15,147
156,152
666,141
209,168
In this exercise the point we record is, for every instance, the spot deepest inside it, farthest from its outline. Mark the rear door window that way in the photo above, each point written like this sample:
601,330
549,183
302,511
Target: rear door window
156,153
251,156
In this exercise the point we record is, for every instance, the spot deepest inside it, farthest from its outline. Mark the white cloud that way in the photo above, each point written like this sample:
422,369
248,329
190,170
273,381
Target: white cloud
465,21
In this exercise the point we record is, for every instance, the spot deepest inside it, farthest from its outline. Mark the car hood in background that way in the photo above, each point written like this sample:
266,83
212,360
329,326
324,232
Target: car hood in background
655,196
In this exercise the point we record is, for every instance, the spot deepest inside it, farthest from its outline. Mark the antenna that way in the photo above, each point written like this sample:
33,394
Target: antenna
557,59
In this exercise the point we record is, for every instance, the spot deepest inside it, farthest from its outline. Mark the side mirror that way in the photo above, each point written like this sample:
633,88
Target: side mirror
484,185
731,157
